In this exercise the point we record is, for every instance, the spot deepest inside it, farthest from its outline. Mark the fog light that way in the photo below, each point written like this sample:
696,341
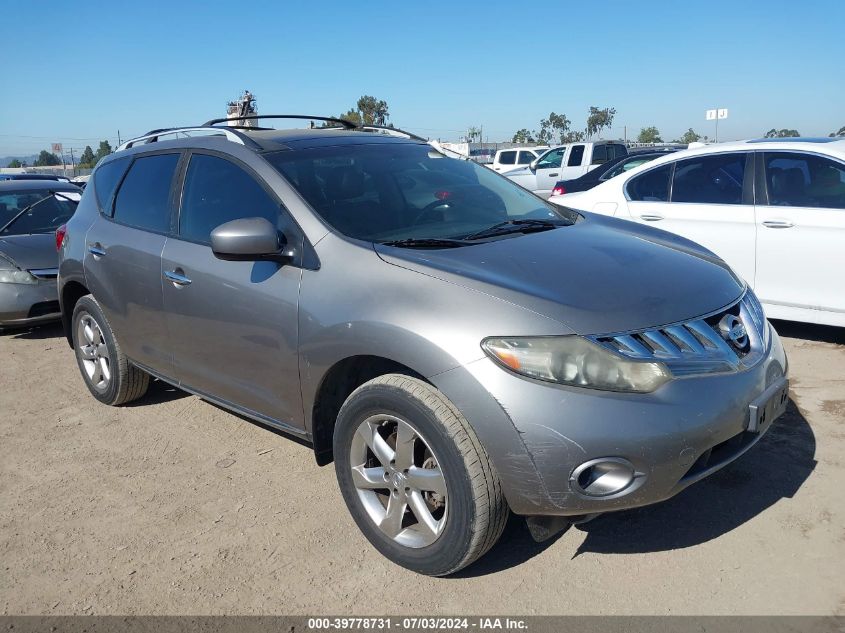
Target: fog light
603,477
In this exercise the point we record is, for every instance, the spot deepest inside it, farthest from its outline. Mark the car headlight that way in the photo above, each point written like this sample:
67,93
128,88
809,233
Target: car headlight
572,360
16,277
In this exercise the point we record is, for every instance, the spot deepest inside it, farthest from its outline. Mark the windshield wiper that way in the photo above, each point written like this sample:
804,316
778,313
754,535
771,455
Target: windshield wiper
516,226
34,204
431,242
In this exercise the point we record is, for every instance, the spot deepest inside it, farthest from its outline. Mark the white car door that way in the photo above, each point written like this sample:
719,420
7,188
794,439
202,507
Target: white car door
801,237
575,164
548,171
709,201
505,160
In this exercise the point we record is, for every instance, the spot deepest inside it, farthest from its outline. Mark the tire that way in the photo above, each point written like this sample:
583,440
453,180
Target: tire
463,522
107,373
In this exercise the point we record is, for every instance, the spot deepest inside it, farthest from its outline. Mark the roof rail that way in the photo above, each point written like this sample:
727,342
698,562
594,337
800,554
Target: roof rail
343,122
392,131
153,135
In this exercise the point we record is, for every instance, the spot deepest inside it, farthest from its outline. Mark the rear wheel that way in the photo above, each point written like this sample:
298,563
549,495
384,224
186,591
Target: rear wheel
107,373
415,477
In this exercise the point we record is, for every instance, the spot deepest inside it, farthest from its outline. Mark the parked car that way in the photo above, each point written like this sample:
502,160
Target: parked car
603,172
406,314
512,158
30,212
565,163
33,177
774,209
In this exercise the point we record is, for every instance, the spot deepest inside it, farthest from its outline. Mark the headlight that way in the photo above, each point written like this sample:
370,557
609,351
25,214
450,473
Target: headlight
16,277
572,360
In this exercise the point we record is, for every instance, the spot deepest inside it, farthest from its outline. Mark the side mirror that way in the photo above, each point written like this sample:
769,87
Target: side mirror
248,239
533,164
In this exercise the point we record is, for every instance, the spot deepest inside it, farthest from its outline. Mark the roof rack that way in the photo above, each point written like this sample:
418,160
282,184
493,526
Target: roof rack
349,125
153,135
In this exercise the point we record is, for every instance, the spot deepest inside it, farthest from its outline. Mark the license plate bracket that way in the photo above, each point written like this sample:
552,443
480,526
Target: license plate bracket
768,406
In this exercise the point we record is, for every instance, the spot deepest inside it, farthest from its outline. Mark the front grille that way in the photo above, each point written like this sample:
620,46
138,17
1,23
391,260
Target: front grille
43,308
701,345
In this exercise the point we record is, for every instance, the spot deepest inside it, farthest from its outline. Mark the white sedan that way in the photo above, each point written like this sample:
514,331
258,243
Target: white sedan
774,209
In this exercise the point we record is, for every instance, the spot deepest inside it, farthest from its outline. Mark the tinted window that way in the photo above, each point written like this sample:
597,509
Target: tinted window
709,179
507,158
526,157
106,179
599,154
805,180
575,156
616,151
650,186
625,165
143,200
386,192
47,211
217,191
552,159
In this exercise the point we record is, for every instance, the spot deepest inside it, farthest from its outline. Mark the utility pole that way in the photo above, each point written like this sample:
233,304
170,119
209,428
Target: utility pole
72,162
118,138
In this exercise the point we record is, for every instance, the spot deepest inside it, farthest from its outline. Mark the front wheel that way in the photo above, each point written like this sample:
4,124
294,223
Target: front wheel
415,477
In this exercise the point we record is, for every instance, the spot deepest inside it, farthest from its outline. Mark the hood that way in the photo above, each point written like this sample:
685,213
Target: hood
30,252
599,276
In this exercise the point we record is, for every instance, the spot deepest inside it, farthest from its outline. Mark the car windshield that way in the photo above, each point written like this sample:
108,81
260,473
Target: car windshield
49,212
392,192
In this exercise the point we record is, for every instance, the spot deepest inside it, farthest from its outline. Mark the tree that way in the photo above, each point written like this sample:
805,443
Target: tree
373,111
599,119
46,159
782,133
841,132
523,136
574,136
649,135
15,163
474,134
690,136
87,159
102,151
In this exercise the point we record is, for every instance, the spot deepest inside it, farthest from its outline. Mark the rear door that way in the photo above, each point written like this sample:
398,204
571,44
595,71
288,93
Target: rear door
232,324
709,200
123,255
575,164
801,234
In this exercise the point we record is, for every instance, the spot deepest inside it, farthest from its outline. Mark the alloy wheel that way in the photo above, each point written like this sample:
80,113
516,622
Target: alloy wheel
94,352
399,481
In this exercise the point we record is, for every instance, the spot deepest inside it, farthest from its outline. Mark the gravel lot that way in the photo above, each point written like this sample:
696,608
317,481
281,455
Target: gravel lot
174,506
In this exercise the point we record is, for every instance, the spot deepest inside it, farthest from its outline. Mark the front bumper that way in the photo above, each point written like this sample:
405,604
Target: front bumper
537,434
29,304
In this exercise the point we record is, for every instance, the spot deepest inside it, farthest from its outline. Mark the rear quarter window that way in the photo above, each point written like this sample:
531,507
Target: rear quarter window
106,179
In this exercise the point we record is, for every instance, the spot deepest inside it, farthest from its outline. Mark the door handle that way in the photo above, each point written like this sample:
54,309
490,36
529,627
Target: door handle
651,218
778,224
177,277
553,175
96,250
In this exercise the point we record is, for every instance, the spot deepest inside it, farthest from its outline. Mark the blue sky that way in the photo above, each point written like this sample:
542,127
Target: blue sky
78,72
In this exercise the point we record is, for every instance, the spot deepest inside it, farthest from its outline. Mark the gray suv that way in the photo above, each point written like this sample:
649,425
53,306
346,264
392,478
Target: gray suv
460,348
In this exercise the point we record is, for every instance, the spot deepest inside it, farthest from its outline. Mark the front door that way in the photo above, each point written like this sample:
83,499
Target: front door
232,324
800,237
548,171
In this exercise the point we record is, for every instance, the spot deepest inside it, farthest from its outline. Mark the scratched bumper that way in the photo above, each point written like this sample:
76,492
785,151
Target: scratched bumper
17,301
536,434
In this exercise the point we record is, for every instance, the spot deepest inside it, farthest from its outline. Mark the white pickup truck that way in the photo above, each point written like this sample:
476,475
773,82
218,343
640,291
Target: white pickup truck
565,163
515,157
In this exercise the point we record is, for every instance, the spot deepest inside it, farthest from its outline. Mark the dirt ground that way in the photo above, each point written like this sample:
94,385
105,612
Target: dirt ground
174,506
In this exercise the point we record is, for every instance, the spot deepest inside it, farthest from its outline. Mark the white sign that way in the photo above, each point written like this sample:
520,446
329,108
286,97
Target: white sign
710,115
723,113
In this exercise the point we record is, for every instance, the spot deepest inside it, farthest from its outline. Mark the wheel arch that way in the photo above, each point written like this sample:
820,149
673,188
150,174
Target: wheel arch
341,379
71,292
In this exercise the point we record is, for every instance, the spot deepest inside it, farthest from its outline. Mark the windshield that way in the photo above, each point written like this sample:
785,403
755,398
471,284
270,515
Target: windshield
44,217
386,192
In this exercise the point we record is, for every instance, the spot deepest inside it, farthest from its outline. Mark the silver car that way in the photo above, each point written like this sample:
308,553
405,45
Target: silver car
460,348
30,213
